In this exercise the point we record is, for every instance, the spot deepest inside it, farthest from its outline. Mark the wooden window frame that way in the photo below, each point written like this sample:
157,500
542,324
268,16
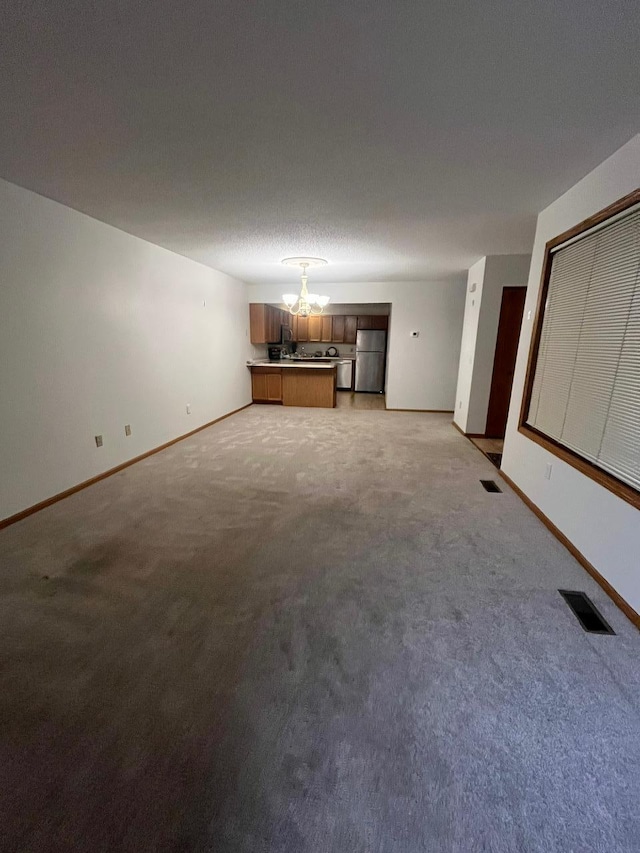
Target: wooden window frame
594,472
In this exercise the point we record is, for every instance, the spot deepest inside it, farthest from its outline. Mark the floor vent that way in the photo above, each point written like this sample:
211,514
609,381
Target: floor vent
494,458
586,613
490,486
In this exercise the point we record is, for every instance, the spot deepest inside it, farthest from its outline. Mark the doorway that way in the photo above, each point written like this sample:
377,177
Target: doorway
504,361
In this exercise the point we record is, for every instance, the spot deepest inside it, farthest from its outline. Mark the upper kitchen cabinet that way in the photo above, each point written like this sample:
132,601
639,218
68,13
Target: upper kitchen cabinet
350,329
258,323
315,328
267,320
327,329
337,331
375,322
265,323
303,329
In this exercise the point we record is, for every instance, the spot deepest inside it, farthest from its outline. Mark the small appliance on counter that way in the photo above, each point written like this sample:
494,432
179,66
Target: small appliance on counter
278,351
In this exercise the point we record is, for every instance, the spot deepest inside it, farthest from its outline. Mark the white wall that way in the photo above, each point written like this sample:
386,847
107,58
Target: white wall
480,332
603,527
475,283
421,372
99,329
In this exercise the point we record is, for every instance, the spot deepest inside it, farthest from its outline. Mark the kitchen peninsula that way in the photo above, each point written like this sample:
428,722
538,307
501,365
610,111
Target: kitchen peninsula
294,383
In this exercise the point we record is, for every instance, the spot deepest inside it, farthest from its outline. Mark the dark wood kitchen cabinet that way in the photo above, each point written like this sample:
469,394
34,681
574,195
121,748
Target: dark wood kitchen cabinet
373,322
350,329
337,331
327,329
265,323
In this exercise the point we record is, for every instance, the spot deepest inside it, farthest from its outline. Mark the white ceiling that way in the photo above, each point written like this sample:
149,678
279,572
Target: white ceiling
399,139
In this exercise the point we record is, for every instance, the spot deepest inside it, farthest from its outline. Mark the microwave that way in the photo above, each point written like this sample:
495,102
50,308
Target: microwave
286,335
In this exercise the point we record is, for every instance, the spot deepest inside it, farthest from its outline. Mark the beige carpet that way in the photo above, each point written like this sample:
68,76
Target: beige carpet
309,631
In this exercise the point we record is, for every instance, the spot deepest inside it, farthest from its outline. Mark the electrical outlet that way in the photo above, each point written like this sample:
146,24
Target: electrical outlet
188,408
547,471
127,429
528,315
98,441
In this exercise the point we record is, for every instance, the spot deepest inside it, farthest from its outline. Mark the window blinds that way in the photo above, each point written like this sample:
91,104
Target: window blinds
586,387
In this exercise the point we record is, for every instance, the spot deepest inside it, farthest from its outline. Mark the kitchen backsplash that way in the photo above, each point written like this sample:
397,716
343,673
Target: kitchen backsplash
261,350
311,347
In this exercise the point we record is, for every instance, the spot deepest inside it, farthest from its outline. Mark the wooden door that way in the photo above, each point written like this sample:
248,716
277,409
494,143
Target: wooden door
303,329
504,361
350,329
315,328
327,328
337,332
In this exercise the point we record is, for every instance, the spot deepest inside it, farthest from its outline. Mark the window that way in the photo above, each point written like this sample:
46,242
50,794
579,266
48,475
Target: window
582,394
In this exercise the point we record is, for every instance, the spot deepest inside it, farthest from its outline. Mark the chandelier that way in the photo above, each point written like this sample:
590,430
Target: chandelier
306,303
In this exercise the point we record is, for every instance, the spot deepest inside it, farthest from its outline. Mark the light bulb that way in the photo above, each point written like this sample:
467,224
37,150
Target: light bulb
289,299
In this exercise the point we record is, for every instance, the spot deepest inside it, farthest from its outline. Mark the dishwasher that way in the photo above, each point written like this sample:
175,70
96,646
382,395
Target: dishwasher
345,375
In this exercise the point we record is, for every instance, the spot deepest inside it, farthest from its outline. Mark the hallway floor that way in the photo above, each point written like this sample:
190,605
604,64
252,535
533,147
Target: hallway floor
309,631
359,400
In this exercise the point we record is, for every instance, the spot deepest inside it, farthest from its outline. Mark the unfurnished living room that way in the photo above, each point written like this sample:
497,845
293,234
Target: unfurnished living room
320,427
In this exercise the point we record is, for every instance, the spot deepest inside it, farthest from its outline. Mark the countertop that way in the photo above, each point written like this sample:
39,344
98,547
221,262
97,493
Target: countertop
286,363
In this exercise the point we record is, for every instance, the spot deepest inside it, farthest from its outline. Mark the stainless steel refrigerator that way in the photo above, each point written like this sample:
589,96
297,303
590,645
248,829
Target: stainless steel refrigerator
370,358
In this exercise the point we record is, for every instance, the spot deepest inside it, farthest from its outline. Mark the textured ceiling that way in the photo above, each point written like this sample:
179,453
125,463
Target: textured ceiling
400,140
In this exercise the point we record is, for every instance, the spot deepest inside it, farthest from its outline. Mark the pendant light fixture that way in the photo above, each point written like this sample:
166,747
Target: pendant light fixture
306,303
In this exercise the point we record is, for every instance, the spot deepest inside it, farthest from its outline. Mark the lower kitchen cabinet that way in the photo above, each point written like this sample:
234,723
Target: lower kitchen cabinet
266,385
294,386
